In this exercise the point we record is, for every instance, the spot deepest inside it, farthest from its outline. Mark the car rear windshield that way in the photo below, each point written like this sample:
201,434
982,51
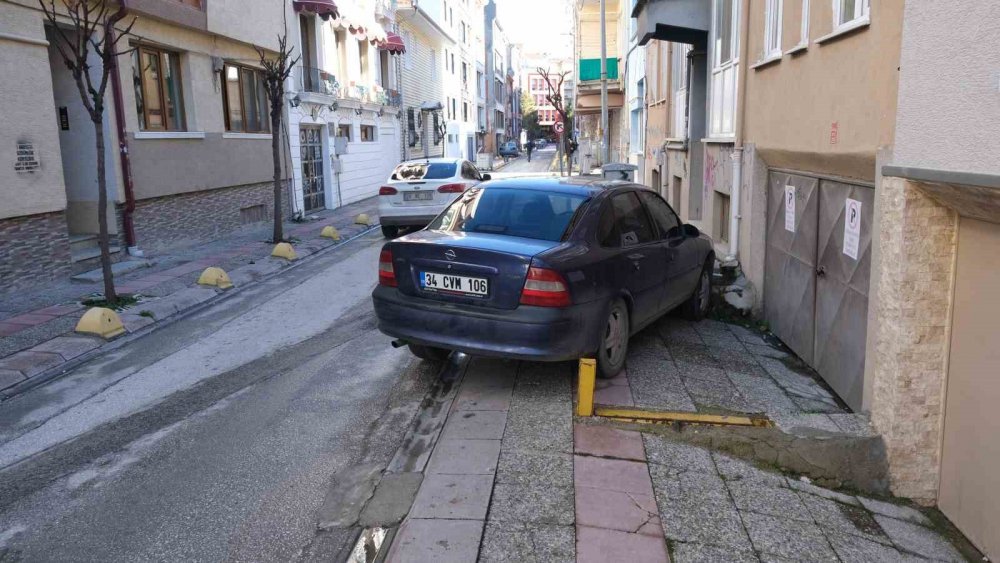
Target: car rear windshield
424,171
513,212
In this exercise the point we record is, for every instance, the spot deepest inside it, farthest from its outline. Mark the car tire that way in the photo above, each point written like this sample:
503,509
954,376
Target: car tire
613,341
390,231
429,353
696,307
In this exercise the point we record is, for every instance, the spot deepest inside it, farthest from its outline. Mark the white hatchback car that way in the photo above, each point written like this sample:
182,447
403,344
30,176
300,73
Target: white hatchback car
419,190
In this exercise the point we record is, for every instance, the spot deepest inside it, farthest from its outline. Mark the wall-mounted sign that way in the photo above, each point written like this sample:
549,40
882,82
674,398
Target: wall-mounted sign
852,227
64,118
790,209
27,160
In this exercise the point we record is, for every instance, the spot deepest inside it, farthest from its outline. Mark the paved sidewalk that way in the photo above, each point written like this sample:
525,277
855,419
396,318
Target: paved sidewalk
36,327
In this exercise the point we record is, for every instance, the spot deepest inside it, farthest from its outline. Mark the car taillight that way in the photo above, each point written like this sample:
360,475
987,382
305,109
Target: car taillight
452,189
387,190
386,276
545,288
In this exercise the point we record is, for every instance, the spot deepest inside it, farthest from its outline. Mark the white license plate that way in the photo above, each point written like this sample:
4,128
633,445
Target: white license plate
417,196
448,283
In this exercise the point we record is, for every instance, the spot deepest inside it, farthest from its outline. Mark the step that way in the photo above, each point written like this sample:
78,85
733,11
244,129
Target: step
78,243
87,252
117,269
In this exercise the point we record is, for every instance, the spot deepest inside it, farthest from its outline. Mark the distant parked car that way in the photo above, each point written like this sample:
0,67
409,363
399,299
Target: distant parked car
509,149
540,143
418,190
542,269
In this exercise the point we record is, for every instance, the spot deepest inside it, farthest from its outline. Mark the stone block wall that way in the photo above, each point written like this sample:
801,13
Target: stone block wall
195,217
918,238
33,249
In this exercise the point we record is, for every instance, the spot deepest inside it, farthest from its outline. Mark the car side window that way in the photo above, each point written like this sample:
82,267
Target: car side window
664,217
607,234
632,223
469,171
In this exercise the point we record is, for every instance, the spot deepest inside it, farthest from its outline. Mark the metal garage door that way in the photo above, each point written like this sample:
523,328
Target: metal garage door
818,264
970,482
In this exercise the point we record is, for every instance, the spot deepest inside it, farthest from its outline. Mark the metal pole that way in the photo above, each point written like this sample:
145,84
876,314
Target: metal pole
605,150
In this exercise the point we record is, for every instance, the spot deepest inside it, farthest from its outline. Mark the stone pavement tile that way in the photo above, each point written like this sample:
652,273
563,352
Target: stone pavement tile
464,457
539,430
10,377
31,319
35,335
657,385
392,499
603,441
598,545
855,424
835,516
711,326
722,339
675,330
453,496
736,361
747,336
611,474
614,510
899,512
692,354
489,372
614,395
775,501
30,363
136,285
69,347
441,541
511,542
716,393
918,539
134,322
811,489
763,394
795,377
619,380
536,503
789,539
804,421
823,405
8,328
525,467
155,278
738,470
854,549
677,456
60,310
689,552
474,425
766,350
696,507
483,398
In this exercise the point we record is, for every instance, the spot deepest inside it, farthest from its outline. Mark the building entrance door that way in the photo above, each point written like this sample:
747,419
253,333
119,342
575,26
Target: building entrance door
311,150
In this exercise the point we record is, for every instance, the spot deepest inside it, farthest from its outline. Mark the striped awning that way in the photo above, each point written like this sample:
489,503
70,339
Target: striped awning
393,43
358,17
325,9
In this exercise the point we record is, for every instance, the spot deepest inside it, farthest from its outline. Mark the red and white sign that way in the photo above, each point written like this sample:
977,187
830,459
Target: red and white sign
558,127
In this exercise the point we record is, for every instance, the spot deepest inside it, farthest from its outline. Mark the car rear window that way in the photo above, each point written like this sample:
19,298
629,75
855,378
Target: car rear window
424,171
512,212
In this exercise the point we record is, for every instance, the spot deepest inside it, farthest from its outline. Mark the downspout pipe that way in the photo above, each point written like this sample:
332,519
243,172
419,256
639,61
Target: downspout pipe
126,166
735,188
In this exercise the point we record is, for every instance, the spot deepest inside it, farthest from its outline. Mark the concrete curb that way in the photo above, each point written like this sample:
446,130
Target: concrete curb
62,369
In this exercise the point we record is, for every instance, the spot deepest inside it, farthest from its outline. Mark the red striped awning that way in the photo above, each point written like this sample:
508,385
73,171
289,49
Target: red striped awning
325,9
393,43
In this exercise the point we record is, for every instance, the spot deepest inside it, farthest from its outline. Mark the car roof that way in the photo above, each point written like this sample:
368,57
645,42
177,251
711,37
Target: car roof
578,185
432,160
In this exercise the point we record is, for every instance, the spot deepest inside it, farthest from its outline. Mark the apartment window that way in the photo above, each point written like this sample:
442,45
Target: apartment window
340,36
772,29
453,63
244,100
722,217
804,33
636,118
465,111
454,108
364,63
481,116
408,55
847,12
480,84
465,73
725,68
678,85
157,80
465,38
434,65
367,133
344,130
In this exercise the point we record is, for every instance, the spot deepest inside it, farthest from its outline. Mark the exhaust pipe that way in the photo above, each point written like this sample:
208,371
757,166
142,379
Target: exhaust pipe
397,343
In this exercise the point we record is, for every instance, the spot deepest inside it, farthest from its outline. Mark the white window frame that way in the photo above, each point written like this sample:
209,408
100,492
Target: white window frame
804,32
678,89
862,11
725,74
773,13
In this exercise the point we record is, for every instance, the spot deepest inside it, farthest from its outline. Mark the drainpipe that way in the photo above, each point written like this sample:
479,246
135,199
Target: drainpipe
126,166
734,191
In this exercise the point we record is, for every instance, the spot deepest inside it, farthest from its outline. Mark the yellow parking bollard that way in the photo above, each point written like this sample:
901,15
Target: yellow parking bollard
102,322
215,276
284,250
586,377
363,219
330,232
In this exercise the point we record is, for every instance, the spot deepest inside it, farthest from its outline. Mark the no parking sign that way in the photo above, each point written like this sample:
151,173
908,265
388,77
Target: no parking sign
852,227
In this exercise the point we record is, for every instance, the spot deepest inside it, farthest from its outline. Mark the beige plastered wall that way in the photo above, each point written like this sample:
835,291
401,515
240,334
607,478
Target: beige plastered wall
848,83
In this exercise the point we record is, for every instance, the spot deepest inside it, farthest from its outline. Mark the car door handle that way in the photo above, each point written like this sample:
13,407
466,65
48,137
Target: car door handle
636,256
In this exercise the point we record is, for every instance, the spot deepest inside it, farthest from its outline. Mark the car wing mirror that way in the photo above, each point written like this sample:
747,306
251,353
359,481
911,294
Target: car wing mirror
487,177
691,231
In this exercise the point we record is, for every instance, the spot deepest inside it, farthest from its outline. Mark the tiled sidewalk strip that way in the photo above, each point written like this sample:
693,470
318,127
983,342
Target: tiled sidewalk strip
59,344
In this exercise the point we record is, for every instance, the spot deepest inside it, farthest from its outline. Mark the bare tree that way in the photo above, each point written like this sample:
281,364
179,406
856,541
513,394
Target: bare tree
93,32
555,81
277,69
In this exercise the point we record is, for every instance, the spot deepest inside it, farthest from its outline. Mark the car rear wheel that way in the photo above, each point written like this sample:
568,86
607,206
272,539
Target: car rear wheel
429,353
614,341
389,231
696,307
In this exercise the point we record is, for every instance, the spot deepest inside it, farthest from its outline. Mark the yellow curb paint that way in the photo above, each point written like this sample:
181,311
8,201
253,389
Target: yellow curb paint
330,232
687,417
363,219
284,250
215,276
585,395
101,322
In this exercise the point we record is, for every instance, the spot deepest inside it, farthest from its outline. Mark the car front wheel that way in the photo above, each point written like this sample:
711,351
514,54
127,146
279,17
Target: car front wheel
614,341
696,307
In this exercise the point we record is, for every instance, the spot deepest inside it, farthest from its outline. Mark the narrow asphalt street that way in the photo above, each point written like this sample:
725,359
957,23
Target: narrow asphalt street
541,160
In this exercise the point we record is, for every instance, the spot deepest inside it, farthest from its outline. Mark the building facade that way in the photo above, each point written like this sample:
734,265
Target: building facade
422,83
587,94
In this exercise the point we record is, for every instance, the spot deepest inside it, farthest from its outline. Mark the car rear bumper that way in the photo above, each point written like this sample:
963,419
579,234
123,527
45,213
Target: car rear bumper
526,333
420,220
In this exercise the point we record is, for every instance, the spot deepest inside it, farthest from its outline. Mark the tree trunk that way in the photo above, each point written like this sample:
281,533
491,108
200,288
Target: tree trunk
110,295
276,157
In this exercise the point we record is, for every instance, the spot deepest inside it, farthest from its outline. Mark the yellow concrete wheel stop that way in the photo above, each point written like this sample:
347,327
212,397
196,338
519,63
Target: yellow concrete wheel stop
284,250
586,380
363,219
101,322
215,276
330,232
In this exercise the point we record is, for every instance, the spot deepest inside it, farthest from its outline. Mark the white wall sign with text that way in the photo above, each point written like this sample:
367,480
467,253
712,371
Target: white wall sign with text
852,227
790,208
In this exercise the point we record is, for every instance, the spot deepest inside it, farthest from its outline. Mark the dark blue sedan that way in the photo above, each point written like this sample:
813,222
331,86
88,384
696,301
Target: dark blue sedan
542,269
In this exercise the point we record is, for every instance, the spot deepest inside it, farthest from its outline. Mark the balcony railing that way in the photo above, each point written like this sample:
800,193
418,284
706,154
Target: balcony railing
590,69
317,81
